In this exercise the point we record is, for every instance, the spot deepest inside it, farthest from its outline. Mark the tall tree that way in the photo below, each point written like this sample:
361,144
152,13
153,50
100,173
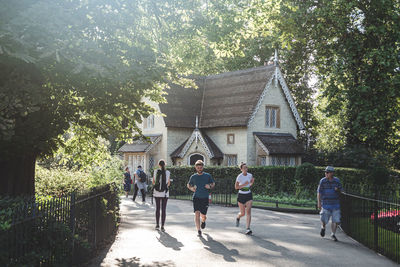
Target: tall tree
86,63
355,50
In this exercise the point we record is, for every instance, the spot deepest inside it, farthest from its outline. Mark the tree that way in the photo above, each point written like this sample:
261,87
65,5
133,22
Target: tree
355,50
82,63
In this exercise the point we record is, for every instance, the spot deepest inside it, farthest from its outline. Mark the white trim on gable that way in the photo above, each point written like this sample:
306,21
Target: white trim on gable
155,142
278,78
196,135
261,145
289,98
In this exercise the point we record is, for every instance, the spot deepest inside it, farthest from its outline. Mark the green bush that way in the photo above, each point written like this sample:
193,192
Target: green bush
305,174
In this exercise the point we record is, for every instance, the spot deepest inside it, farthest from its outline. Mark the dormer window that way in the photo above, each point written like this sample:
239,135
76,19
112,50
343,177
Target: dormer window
148,123
272,117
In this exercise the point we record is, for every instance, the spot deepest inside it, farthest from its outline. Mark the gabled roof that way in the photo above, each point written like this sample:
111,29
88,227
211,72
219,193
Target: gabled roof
209,146
278,143
224,100
141,145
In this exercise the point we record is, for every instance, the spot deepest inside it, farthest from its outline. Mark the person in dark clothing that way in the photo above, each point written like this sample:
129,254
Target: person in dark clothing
127,181
161,183
142,186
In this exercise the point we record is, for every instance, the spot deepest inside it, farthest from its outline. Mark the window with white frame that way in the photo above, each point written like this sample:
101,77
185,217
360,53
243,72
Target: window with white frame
272,117
263,161
148,123
231,160
151,162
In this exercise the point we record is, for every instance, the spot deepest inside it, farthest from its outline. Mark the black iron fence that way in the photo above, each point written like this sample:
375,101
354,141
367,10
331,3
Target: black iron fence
373,219
60,231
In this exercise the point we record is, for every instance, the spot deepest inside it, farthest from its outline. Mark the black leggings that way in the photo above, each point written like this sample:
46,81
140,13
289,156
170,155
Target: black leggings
136,189
163,202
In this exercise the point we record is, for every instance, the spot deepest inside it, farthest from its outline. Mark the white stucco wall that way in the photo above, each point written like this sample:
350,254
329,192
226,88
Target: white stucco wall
176,136
274,96
239,148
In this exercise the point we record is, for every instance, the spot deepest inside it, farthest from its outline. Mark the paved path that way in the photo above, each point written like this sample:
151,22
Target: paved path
279,239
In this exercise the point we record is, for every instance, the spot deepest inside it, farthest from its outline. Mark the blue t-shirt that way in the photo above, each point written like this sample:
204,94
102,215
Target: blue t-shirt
200,181
329,197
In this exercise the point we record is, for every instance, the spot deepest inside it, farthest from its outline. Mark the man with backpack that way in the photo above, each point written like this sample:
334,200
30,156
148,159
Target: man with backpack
140,183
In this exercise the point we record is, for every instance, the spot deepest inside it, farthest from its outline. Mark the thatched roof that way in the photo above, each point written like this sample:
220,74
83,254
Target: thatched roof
222,100
141,145
278,143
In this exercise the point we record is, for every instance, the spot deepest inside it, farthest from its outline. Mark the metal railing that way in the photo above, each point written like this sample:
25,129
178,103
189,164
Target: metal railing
59,231
373,221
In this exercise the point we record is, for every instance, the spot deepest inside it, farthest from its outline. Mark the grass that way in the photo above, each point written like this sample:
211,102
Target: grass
265,202
362,230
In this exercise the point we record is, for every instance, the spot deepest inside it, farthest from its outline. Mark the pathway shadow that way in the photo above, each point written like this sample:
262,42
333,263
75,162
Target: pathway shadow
169,241
269,245
219,248
135,262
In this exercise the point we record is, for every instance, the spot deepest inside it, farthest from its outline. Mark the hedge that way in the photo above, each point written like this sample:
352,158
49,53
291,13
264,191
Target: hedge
272,180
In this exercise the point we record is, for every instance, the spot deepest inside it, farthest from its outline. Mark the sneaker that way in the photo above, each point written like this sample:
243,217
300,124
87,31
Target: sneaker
248,231
157,227
203,225
322,233
237,222
334,238
162,228
199,233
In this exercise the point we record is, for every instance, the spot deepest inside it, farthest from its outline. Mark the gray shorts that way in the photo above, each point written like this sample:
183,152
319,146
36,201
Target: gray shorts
325,215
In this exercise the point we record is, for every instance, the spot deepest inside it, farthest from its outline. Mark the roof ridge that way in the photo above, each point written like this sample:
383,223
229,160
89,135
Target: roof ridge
235,72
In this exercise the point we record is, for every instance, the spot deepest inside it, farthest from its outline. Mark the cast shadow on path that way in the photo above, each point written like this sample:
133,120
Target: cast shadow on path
219,248
169,241
135,262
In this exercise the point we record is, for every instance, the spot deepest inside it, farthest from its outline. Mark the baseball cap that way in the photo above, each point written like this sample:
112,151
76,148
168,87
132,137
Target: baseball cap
329,169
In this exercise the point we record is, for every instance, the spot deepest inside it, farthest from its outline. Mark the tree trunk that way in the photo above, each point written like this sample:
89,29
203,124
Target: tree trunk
17,175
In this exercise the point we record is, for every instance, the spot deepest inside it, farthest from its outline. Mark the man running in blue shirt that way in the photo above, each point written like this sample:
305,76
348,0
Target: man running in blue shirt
328,194
200,183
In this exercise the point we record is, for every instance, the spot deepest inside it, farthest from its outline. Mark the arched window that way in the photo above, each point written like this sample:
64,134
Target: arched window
195,157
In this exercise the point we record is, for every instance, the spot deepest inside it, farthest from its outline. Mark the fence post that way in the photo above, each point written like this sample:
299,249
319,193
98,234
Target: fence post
376,222
72,221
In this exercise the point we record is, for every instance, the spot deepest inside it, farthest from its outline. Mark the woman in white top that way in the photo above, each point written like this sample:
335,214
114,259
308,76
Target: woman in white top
245,197
161,182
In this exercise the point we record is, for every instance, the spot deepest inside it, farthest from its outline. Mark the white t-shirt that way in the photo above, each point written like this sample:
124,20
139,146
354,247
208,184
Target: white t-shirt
242,179
157,193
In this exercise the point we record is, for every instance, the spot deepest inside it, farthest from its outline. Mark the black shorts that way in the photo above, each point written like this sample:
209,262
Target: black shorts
200,204
243,198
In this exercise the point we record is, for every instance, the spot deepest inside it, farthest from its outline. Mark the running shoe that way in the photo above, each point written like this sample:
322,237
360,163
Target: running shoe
322,233
237,222
248,231
157,227
162,228
203,225
334,238
199,233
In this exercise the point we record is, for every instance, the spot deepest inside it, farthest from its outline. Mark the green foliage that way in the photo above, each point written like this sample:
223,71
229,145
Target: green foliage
306,173
59,182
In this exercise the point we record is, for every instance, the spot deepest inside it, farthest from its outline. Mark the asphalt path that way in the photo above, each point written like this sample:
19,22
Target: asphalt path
279,239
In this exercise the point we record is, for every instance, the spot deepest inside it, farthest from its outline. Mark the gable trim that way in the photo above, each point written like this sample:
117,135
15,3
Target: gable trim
260,100
278,79
289,98
261,144
154,143
196,135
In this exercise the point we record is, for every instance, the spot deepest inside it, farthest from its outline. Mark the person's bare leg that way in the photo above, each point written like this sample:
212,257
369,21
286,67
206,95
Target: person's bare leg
197,219
333,227
203,217
248,212
241,211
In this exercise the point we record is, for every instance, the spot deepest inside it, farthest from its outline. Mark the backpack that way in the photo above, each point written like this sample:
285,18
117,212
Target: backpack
142,177
159,179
